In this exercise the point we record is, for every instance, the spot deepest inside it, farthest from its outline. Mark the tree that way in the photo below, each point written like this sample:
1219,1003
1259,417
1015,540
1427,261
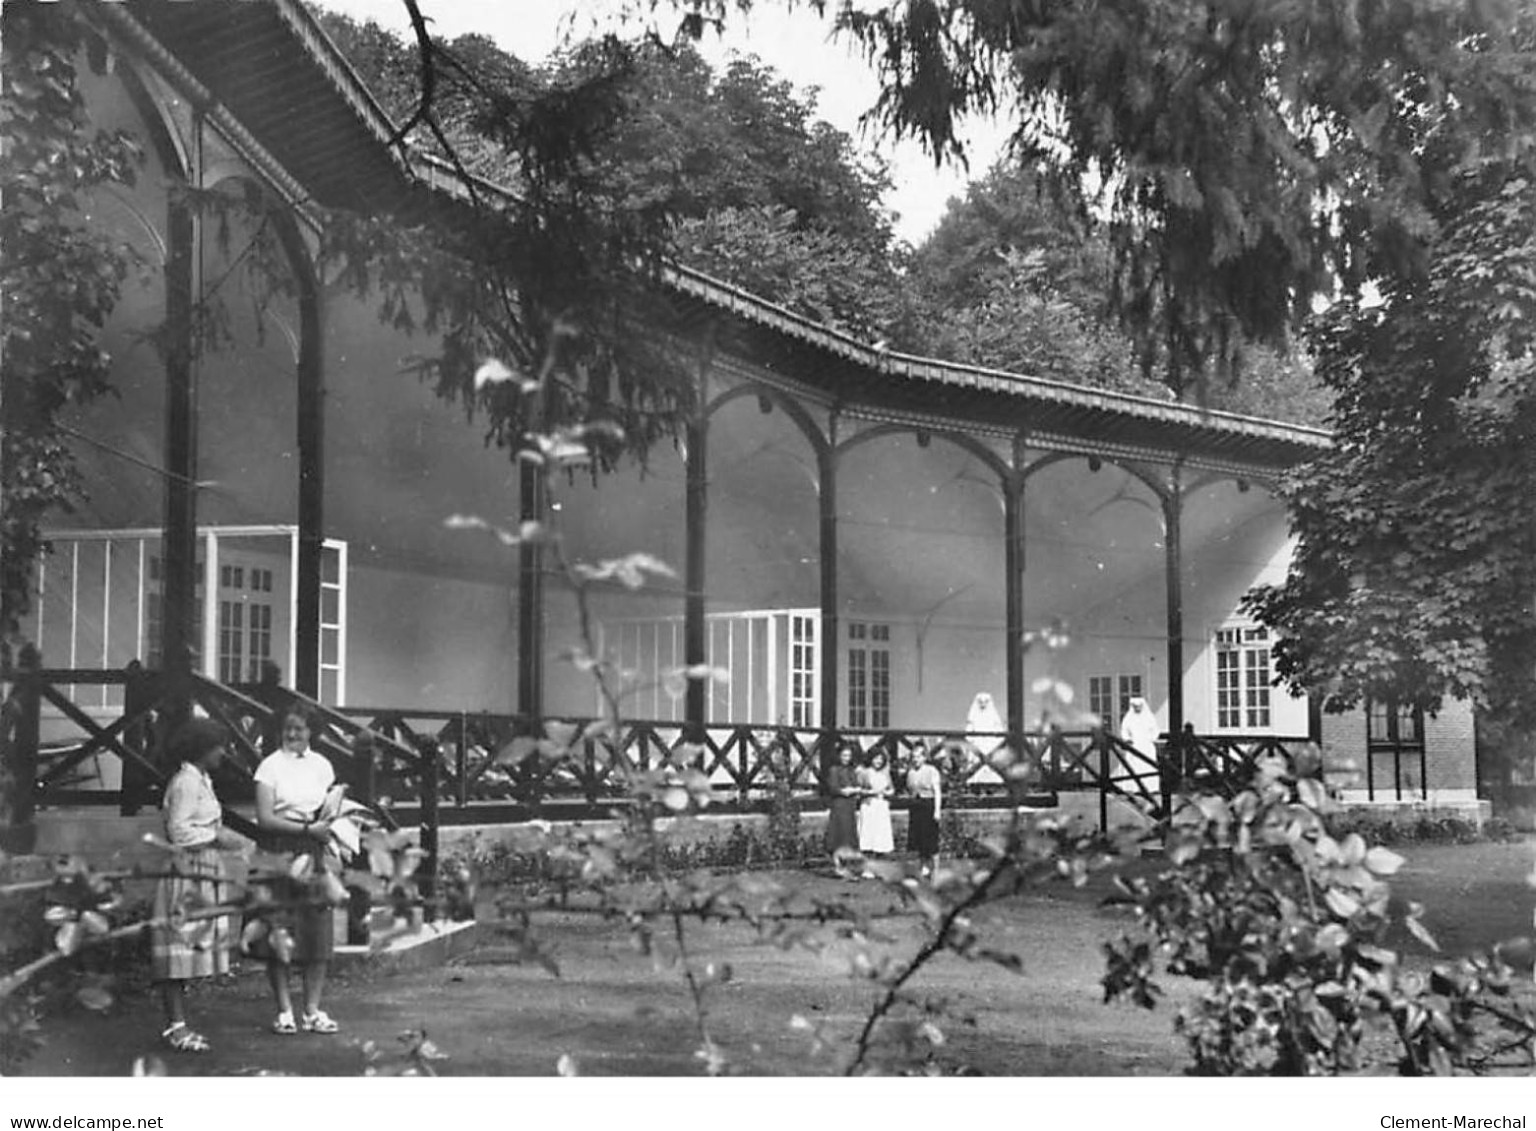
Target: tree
59,279
1013,280
1413,578
1240,159
754,189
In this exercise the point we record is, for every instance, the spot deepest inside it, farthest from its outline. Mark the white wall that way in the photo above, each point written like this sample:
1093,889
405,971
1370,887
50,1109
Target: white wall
430,642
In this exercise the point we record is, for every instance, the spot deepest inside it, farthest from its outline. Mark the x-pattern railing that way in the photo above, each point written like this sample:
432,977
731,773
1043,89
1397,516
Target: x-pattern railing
429,758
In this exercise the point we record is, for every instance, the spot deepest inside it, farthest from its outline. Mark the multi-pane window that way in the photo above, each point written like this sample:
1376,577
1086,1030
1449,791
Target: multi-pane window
231,639
258,640
1242,678
245,622
802,671
1130,688
1388,723
1102,700
869,675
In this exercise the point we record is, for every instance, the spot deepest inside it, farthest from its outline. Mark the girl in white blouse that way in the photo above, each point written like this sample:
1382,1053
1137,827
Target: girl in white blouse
291,788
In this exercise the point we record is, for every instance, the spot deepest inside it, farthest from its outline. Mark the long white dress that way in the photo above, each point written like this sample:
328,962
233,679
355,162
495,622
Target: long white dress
875,812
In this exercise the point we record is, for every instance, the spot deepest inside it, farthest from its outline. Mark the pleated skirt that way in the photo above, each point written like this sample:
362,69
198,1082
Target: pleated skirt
183,948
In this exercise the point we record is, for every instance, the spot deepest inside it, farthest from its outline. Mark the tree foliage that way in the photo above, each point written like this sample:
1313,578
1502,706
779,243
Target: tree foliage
1412,579
59,277
1241,158
742,179
1011,279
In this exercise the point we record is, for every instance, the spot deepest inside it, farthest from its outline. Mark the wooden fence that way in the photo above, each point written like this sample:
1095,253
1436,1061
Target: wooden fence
425,768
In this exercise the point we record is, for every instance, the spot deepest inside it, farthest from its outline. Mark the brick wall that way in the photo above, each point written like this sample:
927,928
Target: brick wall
1450,764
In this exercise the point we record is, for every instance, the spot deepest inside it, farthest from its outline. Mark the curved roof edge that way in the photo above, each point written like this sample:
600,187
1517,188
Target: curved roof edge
748,305
439,175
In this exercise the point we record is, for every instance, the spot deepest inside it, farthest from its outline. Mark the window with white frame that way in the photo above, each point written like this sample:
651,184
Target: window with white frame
1109,696
802,670
869,675
245,622
1243,676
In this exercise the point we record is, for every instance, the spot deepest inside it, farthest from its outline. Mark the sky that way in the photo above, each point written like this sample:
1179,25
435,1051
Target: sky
796,43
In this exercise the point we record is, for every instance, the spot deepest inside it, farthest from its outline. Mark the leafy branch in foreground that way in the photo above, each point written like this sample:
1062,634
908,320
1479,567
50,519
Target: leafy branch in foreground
59,278
1288,930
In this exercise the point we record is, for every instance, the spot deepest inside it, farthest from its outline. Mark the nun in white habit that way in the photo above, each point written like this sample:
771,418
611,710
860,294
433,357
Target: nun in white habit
984,726
1139,727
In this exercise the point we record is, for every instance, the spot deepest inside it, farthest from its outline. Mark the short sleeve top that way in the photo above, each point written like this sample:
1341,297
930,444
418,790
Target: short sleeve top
925,781
877,781
299,782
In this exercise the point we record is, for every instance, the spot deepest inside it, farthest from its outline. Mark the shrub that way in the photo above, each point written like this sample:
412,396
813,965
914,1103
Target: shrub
1421,829
1284,923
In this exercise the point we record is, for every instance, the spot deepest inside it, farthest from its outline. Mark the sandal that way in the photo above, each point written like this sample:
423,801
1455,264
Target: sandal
181,1037
318,1022
284,1024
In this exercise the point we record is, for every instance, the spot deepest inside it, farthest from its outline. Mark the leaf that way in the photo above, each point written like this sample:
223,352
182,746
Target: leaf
674,684
1183,847
492,372
96,998
1419,931
1006,959
1341,903
1332,936
518,751
1352,850
381,861
563,734
1377,955
1312,794
1383,861
1519,952
68,938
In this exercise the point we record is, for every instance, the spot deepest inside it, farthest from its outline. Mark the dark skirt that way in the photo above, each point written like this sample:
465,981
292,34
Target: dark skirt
922,827
298,907
842,825
198,948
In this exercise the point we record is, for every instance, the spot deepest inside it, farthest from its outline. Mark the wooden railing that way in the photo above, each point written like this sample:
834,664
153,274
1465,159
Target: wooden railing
421,767
50,775
496,766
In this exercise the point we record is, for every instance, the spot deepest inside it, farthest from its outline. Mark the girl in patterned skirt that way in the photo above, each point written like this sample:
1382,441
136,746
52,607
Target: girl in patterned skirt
186,943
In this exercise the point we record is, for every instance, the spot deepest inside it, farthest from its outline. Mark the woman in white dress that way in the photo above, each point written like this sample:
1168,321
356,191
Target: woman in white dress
875,807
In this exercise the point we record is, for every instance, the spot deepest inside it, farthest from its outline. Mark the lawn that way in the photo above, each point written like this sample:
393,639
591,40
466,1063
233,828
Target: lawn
615,1011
